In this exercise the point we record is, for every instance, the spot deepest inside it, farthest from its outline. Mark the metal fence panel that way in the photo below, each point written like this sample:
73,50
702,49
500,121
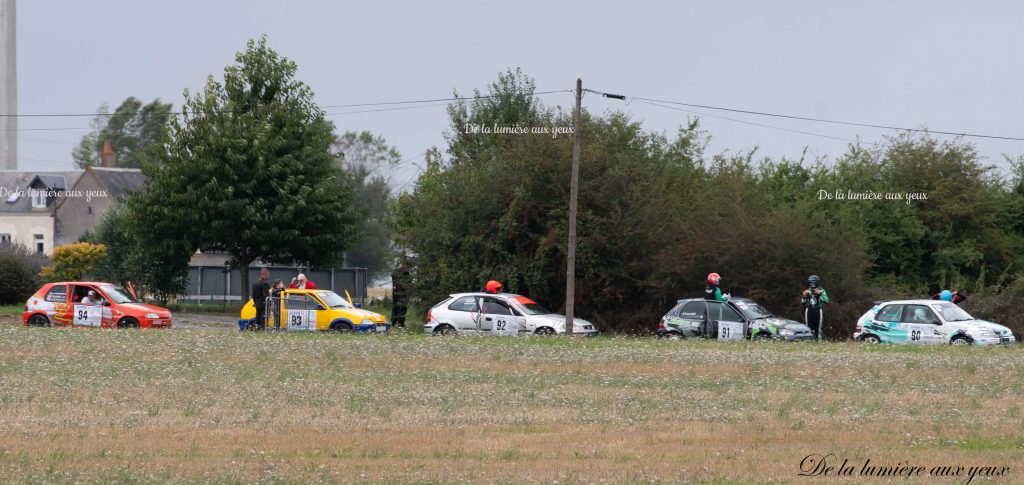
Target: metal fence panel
207,284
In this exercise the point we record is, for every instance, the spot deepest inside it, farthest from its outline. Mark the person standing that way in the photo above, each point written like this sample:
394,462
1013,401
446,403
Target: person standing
814,299
400,283
260,293
276,295
300,282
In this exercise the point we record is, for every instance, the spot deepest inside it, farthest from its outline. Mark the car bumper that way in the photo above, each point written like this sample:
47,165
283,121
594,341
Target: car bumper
372,328
995,341
155,323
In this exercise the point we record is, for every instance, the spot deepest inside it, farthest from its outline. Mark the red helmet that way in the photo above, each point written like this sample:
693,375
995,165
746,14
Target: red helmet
714,279
493,286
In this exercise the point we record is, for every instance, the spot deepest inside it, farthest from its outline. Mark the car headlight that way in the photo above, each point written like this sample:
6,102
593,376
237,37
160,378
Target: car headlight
152,315
787,332
367,321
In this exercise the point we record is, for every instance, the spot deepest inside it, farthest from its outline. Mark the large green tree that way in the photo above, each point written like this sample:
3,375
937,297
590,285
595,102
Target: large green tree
248,170
368,160
131,129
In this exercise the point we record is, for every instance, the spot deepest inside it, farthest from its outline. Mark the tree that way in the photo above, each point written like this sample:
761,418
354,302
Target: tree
248,170
368,160
132,129
129,260
73,262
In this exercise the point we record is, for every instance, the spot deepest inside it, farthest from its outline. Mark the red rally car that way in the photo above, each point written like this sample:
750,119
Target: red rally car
89,304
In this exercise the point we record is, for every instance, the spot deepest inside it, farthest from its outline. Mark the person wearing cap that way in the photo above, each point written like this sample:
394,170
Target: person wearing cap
814,299
301,283
492,287
954,296
92,299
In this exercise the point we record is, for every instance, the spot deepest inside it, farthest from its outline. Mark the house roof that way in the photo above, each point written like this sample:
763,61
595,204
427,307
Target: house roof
18,181
118,181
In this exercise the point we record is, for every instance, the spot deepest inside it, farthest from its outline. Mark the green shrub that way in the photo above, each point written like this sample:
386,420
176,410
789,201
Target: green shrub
17,281
1000,304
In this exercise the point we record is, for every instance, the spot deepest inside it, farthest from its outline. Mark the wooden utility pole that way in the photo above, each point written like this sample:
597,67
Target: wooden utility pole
429,160
570,266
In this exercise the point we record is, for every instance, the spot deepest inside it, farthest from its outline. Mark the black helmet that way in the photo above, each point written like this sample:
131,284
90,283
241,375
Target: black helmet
814,280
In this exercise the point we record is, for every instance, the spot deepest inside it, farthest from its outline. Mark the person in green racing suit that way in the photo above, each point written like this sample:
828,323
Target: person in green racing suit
814,299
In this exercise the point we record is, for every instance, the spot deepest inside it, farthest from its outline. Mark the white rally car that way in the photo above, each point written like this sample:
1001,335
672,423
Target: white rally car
927,322
497,314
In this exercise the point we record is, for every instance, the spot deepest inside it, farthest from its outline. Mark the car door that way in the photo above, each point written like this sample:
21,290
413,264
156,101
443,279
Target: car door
921,325
725,323
62,307
886,324
463,313
92,314
497,317
689,318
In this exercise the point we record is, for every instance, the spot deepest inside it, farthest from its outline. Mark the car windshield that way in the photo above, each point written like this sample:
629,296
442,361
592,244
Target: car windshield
531,307
753,310
332,300
952,313
117,294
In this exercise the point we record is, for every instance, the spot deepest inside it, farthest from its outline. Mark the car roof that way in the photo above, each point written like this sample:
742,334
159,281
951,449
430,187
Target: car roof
733,299
914,302
81,283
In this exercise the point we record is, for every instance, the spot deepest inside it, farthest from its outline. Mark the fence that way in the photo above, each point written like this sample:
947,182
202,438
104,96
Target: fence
211,284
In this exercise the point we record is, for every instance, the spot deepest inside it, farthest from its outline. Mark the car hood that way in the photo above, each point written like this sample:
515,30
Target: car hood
142,308
362,314
979,324
784,323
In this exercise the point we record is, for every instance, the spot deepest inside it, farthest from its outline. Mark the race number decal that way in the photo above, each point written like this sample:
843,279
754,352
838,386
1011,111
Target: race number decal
730,330
301,320
88,315
506,327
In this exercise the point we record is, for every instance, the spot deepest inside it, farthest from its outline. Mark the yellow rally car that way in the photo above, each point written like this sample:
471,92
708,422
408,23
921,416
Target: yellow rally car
310,310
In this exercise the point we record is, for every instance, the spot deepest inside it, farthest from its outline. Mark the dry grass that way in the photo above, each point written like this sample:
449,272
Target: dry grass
207,406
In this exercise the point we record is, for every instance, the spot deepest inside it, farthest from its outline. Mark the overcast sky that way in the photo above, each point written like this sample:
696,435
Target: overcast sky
953,66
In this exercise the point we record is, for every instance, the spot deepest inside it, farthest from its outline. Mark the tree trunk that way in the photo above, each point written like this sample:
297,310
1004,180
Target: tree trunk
243,271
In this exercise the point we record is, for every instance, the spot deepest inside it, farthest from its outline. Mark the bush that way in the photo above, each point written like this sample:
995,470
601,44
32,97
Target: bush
73,262
35,261
17,280
1000,304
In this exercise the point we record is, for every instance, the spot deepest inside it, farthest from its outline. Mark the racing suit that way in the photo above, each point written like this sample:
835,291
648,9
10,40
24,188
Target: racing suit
714,293
814,315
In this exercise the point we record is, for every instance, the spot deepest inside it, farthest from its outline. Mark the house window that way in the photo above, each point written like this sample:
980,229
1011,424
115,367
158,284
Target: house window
40,243
38,199
90,209
5,238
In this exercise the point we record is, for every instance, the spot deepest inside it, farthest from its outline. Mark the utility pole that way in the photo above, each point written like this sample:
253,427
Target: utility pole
570,266
429,160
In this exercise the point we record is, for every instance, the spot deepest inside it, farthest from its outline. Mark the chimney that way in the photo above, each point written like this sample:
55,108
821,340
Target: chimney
108,159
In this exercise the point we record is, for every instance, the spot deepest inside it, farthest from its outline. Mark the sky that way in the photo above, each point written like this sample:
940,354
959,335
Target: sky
944,65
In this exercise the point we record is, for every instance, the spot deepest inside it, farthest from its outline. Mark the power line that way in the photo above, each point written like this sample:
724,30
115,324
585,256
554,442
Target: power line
836,122
330,106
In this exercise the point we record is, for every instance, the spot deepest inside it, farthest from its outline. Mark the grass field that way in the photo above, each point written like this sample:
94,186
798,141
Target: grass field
227,407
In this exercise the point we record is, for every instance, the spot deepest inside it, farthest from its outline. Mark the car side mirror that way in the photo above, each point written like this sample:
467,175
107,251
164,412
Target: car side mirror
106,303
320,307
936,321
358,305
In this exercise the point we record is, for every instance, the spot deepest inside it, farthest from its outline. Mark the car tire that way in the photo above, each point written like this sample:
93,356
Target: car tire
762,336
38,320
671,336
445,330
545,331
341,327
127,322
871,339
960,340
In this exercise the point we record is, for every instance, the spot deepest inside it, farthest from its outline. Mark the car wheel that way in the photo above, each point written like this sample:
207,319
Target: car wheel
445,330
341,327
127,322
671,336
546,331
871,339
960,340
38,321
763,336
